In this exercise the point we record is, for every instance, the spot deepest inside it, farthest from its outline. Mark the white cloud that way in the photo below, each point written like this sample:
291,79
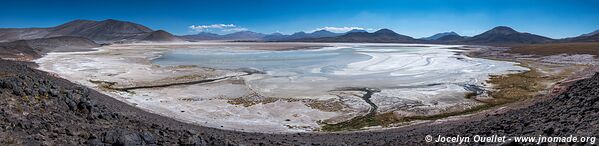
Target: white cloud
219,27
339,29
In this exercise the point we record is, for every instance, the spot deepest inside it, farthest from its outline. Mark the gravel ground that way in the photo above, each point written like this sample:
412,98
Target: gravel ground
40,109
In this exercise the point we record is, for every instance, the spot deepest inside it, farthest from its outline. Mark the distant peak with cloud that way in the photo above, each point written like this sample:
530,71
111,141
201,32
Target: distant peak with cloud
217,28
339,29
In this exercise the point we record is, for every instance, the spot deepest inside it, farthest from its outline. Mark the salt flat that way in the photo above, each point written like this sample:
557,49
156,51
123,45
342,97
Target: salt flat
294,90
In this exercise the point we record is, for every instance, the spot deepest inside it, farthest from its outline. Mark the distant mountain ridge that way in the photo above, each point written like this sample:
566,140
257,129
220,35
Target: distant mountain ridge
115,31
240,35
105,31
380,36
254,36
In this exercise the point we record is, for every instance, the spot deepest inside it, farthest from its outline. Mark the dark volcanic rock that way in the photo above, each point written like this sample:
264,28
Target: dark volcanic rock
41,109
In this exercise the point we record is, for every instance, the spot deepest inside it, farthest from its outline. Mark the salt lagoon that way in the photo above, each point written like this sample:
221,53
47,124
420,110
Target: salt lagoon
317,71
293,90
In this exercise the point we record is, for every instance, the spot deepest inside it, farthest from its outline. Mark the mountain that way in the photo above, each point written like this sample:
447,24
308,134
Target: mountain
105,31
439,35
591,33
589,37
450,39
274,36
238,36
33,48
243,35
304,35
356,30
506,35
323,33
380,36
254,36
161,36
101,31
200,36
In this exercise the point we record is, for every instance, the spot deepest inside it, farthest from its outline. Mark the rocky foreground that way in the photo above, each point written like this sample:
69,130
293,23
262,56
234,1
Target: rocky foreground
37,108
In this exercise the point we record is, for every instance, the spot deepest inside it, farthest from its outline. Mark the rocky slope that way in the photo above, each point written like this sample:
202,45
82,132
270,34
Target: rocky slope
29,49
38,109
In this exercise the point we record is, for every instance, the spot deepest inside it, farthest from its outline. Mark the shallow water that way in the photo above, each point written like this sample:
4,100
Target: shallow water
315,72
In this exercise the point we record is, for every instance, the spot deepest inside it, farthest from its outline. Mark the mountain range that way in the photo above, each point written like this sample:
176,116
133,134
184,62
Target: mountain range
240,35
380,36
254,36
115,31
500,35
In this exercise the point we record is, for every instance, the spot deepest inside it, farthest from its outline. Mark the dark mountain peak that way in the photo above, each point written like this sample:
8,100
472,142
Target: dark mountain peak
161,36
356,30
243,35
450,38
380,36
322,31
74,23
276,34
112,20
80,21
385,31
452,33
160,31
502,30
205,33
122,26
507,35
440,35
591,33
105,31
589,37
299,33
245,32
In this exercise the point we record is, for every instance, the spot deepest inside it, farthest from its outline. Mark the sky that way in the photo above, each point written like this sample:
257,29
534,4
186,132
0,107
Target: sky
416,18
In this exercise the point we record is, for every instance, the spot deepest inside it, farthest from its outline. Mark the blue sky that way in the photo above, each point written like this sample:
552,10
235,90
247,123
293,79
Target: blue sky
417,18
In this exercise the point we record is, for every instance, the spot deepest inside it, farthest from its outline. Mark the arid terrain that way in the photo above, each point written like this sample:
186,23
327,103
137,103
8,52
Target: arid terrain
43,98
91,82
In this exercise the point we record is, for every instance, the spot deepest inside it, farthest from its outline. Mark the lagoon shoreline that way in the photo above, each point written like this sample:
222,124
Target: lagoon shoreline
412,134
